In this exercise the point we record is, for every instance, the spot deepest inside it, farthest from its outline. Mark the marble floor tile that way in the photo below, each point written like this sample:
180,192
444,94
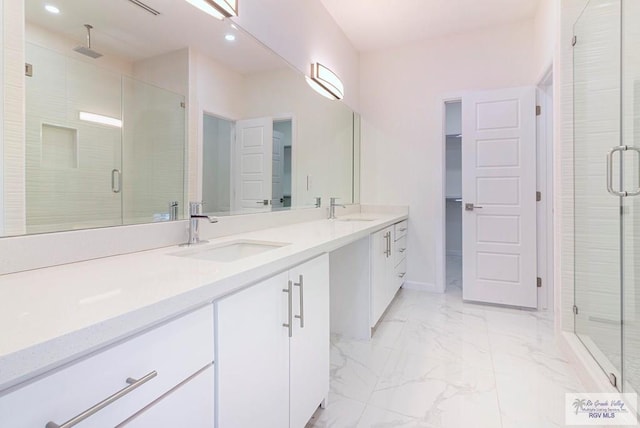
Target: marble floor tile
341,412
356,367
440,392
374,417
437,362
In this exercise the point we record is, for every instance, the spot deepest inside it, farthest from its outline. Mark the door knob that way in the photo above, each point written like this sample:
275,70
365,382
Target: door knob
471,207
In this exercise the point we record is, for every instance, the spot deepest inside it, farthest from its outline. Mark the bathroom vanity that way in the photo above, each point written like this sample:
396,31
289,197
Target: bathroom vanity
174,334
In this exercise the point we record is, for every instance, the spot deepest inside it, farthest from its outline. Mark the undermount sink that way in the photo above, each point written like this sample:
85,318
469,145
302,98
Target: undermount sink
356,219
230,251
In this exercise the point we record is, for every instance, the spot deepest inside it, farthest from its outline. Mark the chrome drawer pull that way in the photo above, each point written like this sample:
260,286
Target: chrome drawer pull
133,384
401,275
289,324
402,250
301,316
403,229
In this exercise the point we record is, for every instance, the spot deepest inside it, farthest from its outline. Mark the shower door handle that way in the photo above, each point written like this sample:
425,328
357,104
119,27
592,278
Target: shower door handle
116,184
610,188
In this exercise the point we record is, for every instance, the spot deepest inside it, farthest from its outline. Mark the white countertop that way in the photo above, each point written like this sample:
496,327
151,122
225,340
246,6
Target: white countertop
54,315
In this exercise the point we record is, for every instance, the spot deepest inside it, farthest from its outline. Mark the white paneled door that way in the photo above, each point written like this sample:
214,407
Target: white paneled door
253,163
499,196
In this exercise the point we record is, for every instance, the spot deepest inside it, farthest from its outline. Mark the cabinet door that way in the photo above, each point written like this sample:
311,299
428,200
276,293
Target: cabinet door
381,257
189,405
253,357
310,343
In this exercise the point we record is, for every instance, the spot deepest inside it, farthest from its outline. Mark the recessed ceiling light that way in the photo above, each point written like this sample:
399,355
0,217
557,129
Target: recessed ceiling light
230,37
52,9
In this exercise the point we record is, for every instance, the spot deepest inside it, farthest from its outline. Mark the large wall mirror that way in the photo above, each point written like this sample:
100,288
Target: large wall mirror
134,108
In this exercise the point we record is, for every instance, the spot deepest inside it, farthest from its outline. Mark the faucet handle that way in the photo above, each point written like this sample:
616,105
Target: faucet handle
195,208
318,201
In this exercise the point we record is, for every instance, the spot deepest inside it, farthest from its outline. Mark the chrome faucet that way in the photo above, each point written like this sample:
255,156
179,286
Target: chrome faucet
318,201
195,214
332,208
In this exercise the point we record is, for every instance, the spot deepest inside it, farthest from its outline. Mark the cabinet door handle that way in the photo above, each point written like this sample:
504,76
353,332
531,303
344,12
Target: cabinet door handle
402,250
133,384
387,251
401,275
301,285
289,292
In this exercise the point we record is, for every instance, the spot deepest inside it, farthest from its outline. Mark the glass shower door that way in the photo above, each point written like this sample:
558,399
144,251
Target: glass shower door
597,220
631,203
72,162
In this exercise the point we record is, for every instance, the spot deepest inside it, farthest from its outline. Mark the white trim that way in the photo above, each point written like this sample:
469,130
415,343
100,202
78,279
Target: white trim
545,184
422,286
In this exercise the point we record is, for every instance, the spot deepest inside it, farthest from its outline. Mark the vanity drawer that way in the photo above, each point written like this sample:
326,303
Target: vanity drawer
400,229
158,359
399,250
400,273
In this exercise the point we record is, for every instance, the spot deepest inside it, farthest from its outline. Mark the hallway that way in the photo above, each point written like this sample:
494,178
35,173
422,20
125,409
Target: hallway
436,361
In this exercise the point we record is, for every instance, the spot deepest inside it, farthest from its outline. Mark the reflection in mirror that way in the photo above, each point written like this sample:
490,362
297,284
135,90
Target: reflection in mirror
243,169
106,133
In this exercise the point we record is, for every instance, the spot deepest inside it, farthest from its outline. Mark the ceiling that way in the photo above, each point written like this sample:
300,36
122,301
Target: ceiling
125,30
379,24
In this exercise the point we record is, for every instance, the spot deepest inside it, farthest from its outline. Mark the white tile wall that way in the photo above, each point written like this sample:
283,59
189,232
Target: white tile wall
14,154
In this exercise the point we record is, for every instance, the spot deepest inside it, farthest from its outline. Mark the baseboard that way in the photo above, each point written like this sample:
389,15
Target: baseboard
454,253
422,286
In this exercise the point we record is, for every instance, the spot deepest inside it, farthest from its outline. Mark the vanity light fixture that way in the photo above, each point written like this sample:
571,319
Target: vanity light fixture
219,9
325,82
51,9
100,119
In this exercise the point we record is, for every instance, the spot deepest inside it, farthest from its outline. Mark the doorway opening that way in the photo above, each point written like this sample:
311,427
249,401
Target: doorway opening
453,195
282,144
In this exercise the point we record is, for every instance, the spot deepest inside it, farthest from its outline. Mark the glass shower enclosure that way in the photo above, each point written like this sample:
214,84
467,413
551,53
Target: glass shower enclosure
607,187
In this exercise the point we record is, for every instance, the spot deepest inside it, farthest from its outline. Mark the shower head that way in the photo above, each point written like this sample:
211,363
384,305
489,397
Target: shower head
86,50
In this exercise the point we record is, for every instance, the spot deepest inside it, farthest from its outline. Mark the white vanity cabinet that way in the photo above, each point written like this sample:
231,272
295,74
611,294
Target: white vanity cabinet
383,284
400,252
142,369
388,267
272,344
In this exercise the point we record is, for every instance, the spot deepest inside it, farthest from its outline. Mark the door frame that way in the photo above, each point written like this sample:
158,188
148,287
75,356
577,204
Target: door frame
441,206
294,152
544,183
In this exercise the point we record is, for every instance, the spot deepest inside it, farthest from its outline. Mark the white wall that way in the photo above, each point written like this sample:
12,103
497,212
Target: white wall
323,133
213,89
402,123
216,162
546,31
303,32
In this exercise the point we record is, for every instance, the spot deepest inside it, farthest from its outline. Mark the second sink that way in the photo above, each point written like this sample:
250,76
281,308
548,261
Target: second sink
230,251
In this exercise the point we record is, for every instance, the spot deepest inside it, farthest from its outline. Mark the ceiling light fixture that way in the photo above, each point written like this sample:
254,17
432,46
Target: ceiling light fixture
100,119
51,9
219,9
229,37
325,82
